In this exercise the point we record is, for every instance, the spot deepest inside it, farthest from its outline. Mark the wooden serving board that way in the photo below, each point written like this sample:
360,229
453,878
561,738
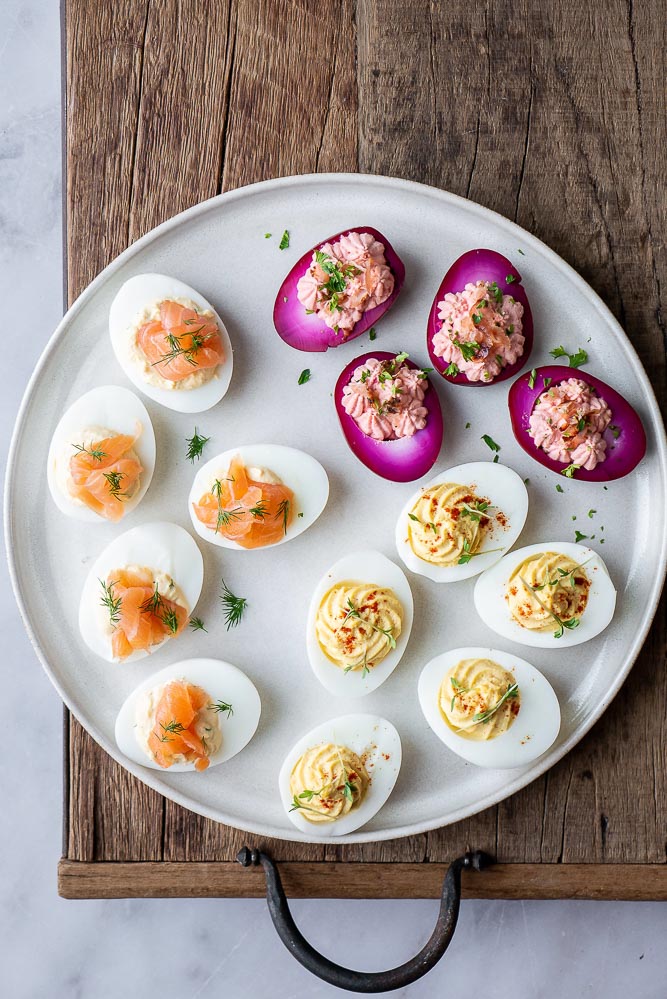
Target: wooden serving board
552,114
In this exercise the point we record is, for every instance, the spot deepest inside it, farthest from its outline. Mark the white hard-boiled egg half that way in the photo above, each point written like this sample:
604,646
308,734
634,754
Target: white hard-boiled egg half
375,741
167,550
367,569
233,705
533,730
295,469
130,310
103,412
492,606
506,513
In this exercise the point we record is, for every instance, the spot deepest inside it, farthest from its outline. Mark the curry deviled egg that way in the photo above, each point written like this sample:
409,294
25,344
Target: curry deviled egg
257,496
550,595
462,521
340,774
359,623
171,343
489,707
140,592
102,455
189,716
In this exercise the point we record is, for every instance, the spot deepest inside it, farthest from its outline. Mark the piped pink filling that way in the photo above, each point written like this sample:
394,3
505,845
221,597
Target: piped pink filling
481,331
345,279
568,422
385,399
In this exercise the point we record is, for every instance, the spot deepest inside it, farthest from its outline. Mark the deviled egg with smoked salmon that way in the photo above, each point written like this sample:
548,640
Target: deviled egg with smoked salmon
171,343
489,707
257,496
359,623
340,774
192,715
140,592
462,521
550,595
102,455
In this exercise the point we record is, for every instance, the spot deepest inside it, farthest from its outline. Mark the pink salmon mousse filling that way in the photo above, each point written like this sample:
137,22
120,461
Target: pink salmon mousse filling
568,422
481,331
386,404
345,279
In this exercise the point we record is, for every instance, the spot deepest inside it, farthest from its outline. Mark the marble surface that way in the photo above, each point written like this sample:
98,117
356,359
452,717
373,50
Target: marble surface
54,948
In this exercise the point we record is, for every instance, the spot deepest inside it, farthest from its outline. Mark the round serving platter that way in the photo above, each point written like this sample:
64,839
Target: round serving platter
219,247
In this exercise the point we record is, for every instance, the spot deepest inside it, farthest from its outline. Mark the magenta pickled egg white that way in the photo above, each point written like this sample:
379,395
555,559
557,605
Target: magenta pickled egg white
302,473
363,567
369,736
160,546
141,292
109,407
223,682
506,492
532,732
492,607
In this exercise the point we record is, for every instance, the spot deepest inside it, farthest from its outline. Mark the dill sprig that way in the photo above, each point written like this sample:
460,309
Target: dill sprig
173,727
233,606
283,511
195,446
222,708
110,601
95,453
113,481
153,603
225,517
177,350
260,510
170,620
197,624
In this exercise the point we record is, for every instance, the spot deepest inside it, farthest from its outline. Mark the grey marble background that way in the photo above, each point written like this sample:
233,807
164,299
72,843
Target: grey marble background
190,948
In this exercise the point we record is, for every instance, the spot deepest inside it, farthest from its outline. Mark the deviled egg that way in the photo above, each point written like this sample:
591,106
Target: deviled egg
102,455
340,774
359,623
489,707
257,496
140,592
171,343
550,595
462,521
189,716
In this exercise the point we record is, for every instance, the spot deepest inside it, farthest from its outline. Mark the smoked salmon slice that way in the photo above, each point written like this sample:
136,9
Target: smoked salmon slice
180,342
140,616
105,474
174,733
247,511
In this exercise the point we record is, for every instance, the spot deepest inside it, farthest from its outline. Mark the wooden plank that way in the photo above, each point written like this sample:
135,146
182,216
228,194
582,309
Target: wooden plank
363,880
552,114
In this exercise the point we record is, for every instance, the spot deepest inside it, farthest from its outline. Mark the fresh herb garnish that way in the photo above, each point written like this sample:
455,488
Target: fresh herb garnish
195,446
267,235
484,716
496,292
578,536
284,241
222,708
547,382
233,606
110,601
510,278
531,380
353,611
372,333
197,624
173,726
225,517
560,631
304,376
458,689
570,470
283,511
616,431
468,348
489,441
170,620
466,554
574,360
153,603
176,350
468,425
452,370
591,512
475,512
93,452
260,510
113,481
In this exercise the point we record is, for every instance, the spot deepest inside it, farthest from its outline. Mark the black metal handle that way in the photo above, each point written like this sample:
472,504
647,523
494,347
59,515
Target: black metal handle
366,981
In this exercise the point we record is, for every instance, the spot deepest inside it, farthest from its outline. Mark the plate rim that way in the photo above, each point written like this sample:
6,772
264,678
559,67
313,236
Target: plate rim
397,185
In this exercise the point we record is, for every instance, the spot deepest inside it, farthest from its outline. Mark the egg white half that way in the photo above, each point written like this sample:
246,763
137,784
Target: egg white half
132,299
223,682
364,567
533,731
369,736
490,603
505,490
160,546
110,407
302,473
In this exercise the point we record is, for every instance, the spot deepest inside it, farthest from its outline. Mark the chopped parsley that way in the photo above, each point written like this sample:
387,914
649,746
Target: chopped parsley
304,376
284,241
489,441
372,333
574,360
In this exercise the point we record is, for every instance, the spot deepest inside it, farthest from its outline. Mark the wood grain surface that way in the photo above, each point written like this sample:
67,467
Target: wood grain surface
551,113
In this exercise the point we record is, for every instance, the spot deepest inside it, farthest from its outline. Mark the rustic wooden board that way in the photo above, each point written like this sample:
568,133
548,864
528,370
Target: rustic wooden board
551,113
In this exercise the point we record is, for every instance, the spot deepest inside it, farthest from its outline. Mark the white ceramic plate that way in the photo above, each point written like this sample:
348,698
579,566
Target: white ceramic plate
50,555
